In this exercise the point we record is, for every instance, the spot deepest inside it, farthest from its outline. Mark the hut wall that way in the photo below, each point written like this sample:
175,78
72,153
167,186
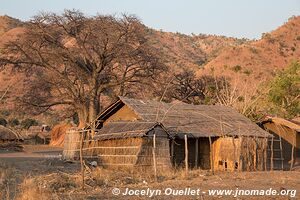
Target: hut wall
124,114
253,151
132,152
118,152
244,153
162,155
226,154
71,144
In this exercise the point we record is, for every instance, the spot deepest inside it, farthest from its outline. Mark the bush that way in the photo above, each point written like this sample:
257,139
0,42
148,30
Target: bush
4,113
3,122
237,68
26,123
247,72
13,122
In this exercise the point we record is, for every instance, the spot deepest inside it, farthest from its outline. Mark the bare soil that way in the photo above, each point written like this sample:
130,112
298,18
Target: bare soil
39,173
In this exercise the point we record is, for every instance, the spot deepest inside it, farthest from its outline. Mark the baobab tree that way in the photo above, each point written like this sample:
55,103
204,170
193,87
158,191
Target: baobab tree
73,59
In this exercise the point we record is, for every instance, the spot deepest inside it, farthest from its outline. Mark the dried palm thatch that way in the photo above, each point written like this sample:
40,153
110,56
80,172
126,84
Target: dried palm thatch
193,120
8,134
289,130
58,134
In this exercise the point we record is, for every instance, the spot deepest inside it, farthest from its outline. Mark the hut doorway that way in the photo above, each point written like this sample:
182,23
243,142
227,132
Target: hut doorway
198,152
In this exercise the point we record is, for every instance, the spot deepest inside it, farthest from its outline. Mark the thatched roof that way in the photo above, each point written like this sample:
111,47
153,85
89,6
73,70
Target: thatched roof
194,120
7,134
293,124
117,130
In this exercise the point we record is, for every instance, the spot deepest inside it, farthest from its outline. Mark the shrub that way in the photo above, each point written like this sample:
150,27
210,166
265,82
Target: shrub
13,122
3,122
26,123
293,48
237,68
5,113
247,72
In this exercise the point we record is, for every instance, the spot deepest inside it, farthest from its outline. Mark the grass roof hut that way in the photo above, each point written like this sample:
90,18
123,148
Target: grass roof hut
285,143
218,137
130,144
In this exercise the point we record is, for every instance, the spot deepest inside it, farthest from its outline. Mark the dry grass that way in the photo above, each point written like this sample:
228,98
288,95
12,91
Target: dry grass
6,175
57,185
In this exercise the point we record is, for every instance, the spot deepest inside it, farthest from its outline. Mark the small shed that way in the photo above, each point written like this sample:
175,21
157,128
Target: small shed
131,144
285,143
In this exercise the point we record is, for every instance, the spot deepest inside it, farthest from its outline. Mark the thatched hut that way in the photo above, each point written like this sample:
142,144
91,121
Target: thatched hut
285,143
123,144
129,144
218,137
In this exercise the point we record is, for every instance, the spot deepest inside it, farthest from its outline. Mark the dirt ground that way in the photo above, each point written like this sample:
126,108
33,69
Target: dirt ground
39,173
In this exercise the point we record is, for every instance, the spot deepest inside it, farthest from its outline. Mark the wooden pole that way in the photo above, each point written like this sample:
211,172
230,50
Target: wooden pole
81,160
154,157
292,155
272,153
172,151
265,153
186,154
196,153
211,156
281,154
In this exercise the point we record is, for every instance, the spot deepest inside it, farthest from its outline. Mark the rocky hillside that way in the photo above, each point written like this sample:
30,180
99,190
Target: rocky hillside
185,51
260,59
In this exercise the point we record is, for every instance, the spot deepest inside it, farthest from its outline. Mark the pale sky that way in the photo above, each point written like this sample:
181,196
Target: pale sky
236,18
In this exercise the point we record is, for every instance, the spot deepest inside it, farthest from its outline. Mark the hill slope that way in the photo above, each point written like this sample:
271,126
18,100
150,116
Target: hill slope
260,59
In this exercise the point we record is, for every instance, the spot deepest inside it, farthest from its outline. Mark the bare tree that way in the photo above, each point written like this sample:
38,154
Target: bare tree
186,87
73,59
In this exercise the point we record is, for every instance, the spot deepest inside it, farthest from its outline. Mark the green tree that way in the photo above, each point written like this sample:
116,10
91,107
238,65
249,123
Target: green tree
284,93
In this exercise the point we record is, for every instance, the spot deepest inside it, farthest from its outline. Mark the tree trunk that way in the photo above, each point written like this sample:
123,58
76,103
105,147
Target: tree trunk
82,116
94,100
94,105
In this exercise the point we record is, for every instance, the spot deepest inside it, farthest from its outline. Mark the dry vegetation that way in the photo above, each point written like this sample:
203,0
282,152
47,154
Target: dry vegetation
100,182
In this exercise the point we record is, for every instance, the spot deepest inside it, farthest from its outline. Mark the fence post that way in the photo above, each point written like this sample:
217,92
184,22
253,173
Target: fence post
272,153
292,154
81,159
211,156
154,156
186,154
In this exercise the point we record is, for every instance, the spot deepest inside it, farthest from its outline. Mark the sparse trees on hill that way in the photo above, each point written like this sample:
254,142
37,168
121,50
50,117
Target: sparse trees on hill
73,59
